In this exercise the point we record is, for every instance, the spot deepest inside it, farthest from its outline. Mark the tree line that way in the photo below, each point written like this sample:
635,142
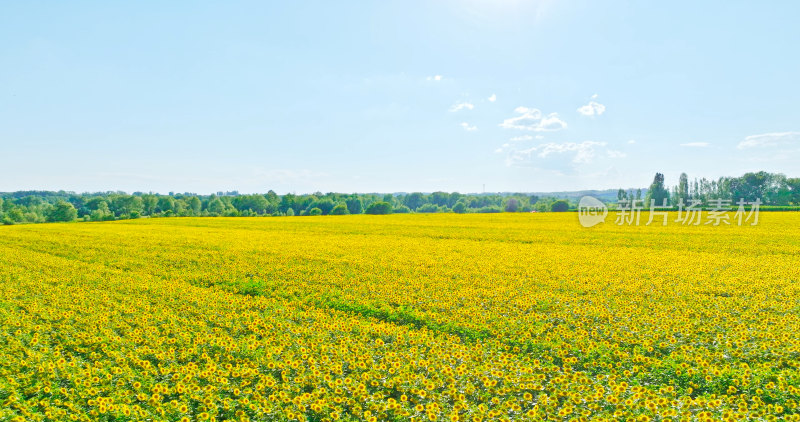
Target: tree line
47,206
772,189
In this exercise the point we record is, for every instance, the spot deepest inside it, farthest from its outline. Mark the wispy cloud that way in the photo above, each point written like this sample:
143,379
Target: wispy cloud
468,127
435,78
493,98
631,141
770,140
696,144
592,109
559,155
532,119
523,138
462,106
583,151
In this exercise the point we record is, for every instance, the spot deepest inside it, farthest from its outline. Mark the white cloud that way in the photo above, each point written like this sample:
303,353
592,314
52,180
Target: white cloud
594,96
574,153
612,153
533,119
631,141
493,98
770,140
462,106
468,127
696,144
436,78
592,109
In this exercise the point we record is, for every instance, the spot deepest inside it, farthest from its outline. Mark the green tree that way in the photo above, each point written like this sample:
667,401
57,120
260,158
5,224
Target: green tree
256,204
657,191
123,205
414,200
325,205
512,205
378,208
683,188
559,206
101,212
165,204
62,211
315,211
354,204
16,215
216,207
340,209
459,208
428,208
440,198
149,203
287,202
195,205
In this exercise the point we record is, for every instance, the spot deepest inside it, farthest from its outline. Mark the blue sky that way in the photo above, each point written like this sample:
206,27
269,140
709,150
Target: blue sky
391,96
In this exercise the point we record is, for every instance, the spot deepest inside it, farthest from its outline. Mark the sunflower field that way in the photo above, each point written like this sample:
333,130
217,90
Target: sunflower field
439,317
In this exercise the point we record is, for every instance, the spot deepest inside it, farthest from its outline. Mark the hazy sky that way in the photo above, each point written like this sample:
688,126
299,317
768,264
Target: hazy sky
394,95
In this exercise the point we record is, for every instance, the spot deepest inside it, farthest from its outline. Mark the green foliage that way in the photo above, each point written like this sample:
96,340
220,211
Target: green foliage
62,212
340,209
429,208
559,206
354,205
657,192
488,210
379,208
512,205
324,205
315,211
256,204
776,192
414,200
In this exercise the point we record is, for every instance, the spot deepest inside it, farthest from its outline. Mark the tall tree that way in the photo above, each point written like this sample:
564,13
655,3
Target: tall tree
657,191
683,188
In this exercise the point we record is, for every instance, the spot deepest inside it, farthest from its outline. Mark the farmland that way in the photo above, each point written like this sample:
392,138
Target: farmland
400,317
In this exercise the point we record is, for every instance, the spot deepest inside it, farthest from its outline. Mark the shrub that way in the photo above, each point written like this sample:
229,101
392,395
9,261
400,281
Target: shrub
315,211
